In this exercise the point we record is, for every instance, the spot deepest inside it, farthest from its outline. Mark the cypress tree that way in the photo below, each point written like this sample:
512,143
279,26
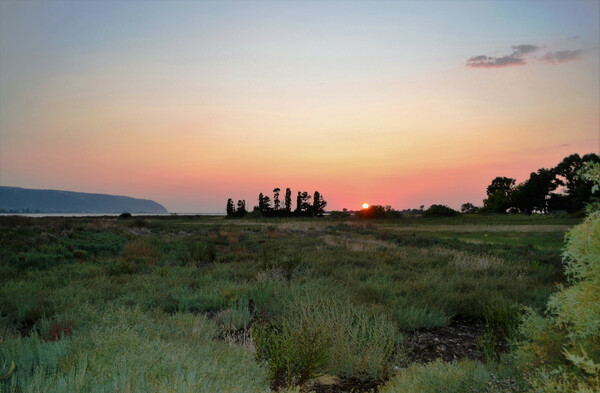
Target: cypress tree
288,200
230,208
276,203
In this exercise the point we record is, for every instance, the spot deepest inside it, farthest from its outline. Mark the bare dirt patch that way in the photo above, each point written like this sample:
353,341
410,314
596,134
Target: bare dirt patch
455,342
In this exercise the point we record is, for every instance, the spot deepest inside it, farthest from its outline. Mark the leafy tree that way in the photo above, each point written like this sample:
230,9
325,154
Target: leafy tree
319,204
469,208
503,184
533,194
499,195
230,209
276,203
577,190
305,206
241,208
288,200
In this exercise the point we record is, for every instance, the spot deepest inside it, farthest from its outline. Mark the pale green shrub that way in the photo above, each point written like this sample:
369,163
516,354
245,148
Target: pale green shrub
236,317
132,351
343,339
362,342
438,377
563,350
30,355
411,317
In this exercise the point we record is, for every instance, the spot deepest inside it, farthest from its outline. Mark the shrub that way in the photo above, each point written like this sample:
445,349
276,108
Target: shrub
563,349
436,377
440,211
187,300
501,326
295,351
236,317
54,329
199,253
359,344
141,251
411,317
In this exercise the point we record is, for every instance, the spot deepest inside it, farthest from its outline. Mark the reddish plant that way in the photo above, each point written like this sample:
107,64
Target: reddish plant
58,329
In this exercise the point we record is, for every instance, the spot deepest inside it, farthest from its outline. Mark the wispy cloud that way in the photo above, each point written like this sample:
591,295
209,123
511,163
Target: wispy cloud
561,56
515,58
520,50
518,54
483,61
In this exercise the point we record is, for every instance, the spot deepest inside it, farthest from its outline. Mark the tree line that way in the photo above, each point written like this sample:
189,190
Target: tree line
304,206
537,194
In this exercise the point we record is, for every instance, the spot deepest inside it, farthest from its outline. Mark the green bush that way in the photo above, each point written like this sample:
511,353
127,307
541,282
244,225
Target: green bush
411,317
236,317
562,350
128,350
501,327
439,377
342,339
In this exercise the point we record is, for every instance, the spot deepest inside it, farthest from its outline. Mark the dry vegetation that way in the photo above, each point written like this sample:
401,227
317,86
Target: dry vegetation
207,304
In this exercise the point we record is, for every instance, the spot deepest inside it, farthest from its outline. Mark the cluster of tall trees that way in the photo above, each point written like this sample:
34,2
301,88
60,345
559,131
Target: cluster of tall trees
233,212
538,192
304,206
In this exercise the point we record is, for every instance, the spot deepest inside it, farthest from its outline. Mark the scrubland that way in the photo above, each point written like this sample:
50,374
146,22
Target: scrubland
207,304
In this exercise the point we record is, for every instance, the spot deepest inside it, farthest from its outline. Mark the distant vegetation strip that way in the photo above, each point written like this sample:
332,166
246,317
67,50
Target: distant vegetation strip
559,189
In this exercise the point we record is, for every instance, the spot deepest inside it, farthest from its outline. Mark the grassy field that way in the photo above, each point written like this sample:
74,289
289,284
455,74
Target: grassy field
207,304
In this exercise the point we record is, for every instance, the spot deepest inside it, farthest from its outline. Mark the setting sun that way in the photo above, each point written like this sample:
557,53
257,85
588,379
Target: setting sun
365,205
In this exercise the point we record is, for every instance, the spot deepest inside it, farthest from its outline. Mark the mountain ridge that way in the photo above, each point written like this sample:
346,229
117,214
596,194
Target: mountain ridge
17,199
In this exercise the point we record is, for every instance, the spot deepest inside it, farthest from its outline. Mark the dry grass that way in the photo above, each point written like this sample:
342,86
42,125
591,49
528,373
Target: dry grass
141,251
358,244
477,228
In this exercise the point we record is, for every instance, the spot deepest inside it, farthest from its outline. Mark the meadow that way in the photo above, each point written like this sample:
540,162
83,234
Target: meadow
209,304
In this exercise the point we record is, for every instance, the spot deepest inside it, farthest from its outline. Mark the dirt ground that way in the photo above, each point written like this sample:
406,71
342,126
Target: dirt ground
455,342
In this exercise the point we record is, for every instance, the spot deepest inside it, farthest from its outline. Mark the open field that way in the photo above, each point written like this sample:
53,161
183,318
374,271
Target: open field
206,304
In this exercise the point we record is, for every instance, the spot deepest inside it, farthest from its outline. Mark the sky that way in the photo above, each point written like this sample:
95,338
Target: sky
397,103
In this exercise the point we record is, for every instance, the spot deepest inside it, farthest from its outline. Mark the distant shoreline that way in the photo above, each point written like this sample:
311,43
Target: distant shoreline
107,214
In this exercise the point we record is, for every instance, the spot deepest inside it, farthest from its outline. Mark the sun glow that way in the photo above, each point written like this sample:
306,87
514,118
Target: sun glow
365,205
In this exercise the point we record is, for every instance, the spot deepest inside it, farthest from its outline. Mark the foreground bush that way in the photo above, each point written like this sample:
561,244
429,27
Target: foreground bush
131,351
439,377
562,350
326,336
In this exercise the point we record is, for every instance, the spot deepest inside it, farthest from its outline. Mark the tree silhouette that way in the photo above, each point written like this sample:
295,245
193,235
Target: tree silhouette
288,200
230,208
499,195
533,194
305,206
502,184
468,208
241,208
378,211
577,191
276,202
319,204
264,203
298,203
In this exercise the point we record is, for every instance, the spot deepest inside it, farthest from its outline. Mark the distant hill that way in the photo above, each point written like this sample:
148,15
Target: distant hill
14,199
